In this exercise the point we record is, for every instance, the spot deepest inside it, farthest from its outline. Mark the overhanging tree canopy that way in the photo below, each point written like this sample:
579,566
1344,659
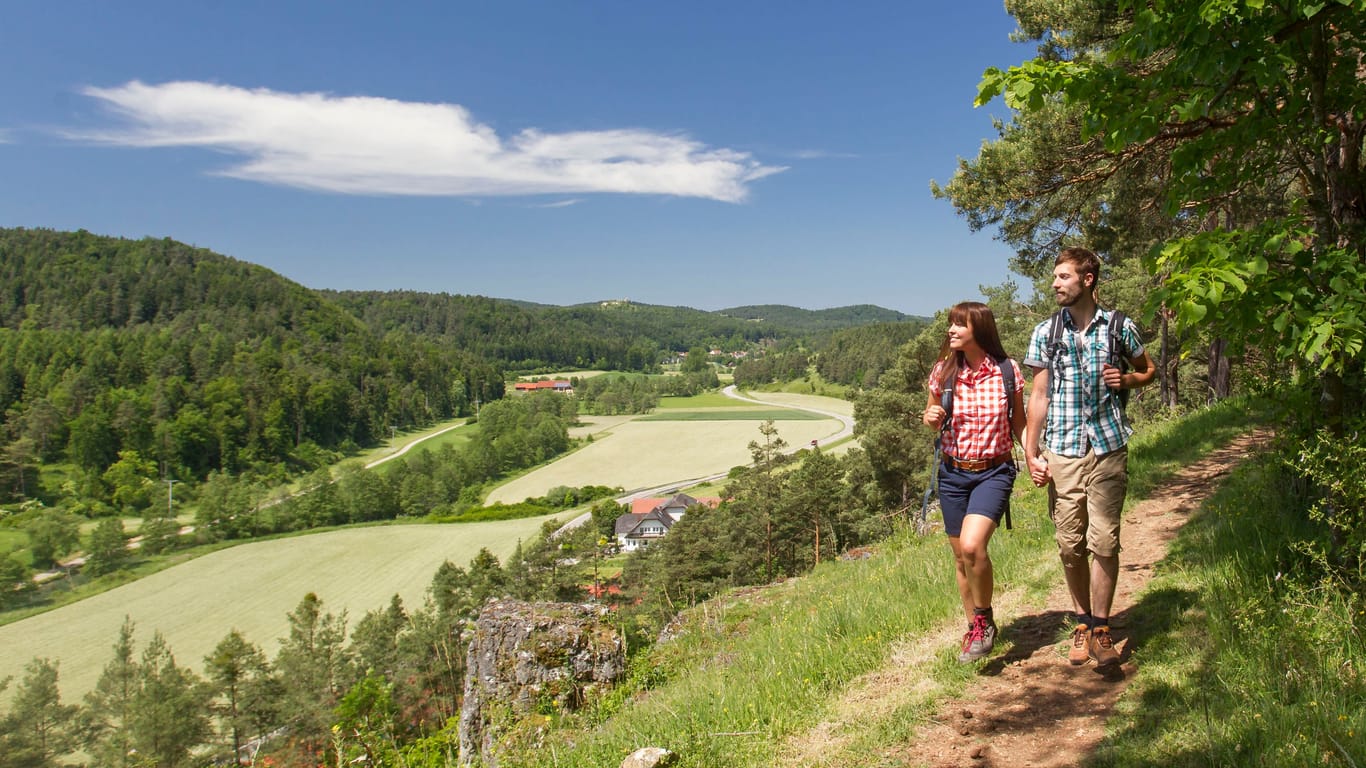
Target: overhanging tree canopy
1250,101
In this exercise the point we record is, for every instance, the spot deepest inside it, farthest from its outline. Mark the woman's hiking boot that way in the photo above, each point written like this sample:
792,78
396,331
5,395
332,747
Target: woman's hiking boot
1103,647
979,640
1080,651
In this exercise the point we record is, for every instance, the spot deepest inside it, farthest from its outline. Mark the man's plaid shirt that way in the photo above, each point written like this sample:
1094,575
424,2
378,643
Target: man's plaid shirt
1083,413
980,425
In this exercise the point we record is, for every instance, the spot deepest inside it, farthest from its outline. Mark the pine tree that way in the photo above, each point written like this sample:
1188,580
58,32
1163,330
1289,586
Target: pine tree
107,718
170,708
39,728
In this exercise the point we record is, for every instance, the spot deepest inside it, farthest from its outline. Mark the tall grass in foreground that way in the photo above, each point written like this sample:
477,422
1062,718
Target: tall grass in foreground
749,670
1260,660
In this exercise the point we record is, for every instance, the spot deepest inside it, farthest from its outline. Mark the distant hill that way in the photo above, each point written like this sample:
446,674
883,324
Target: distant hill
610,335
202,362
800,320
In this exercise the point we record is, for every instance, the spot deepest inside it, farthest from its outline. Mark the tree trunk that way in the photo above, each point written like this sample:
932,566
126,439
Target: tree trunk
1220,376
1165,363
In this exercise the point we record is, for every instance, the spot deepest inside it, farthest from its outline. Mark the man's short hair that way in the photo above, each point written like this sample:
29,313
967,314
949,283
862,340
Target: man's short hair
1084,260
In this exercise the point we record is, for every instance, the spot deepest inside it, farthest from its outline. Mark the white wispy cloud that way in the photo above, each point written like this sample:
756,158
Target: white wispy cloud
822,154
561,203
376,146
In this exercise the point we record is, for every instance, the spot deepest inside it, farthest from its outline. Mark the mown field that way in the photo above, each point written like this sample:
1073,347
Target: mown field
644,454
251,588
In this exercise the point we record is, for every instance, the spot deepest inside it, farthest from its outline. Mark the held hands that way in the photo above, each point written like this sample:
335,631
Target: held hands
1038,470
933,416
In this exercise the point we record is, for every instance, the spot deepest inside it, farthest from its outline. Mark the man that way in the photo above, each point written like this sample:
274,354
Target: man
1076,404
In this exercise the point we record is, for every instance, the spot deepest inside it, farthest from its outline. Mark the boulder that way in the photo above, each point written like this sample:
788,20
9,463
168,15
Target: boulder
648,757
526,658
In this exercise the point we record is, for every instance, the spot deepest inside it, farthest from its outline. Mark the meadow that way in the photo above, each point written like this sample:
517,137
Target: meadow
252,587
641,454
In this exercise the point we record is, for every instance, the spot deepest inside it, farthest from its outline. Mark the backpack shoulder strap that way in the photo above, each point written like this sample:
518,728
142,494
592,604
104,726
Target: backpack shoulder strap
1007,381
1119,355
1055,328
1054,349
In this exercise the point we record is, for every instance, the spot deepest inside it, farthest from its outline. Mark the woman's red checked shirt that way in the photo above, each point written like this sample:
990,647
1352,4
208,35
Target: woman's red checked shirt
980,424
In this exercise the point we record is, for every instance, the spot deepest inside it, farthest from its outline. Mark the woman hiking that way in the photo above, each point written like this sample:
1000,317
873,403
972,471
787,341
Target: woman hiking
978,464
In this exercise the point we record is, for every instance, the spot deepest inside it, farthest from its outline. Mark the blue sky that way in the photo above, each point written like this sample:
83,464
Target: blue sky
704,154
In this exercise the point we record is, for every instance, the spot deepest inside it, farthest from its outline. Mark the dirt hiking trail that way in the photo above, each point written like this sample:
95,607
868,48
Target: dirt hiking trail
1029,707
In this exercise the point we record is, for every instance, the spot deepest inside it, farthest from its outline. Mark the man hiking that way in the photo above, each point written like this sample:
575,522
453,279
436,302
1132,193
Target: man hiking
1078,359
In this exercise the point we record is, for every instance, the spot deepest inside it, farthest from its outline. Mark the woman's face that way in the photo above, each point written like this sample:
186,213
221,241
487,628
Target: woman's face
960,335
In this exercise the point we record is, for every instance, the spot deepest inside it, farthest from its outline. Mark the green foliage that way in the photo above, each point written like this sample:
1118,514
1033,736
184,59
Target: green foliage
197,362
108,549
1332,466
315,668
858,356
783,364
241,689
612,336
899,447
38,731
1234,281
1252,112
52,534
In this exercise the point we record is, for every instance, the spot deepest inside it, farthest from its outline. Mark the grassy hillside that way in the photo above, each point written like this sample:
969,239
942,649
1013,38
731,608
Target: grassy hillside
1248,669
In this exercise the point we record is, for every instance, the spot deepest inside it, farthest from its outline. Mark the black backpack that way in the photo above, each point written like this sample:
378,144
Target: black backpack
1115,353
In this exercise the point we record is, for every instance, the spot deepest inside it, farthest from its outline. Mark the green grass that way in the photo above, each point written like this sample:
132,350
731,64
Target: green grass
755,668
1254,656
704,400
748,414
456,437
11,538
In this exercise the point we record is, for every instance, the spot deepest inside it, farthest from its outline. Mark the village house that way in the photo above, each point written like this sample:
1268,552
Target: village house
650,519
558,385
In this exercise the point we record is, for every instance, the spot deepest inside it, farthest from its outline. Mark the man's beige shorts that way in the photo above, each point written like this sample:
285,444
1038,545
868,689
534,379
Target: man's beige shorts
1085,500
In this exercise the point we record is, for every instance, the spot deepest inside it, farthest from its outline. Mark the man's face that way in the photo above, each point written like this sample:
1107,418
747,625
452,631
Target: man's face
1068,284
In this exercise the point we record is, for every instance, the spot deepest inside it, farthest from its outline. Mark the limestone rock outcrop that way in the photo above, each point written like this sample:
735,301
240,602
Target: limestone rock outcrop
527,658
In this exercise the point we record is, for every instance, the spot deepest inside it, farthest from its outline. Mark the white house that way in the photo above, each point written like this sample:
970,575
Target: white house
651,519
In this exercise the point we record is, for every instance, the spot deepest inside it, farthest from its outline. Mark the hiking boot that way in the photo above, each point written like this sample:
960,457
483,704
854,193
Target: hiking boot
1103,647
1079,652
979,640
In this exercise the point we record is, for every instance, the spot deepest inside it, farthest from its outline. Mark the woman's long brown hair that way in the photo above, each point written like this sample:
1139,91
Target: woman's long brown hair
978,317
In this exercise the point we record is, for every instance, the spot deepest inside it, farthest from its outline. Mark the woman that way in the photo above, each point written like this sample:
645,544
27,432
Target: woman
979,467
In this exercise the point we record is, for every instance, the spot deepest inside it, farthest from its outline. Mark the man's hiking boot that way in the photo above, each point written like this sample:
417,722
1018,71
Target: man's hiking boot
979,640
1079,652
1103,647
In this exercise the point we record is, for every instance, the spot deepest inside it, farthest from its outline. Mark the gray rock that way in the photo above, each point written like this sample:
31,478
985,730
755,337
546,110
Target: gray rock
648,757
524,657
